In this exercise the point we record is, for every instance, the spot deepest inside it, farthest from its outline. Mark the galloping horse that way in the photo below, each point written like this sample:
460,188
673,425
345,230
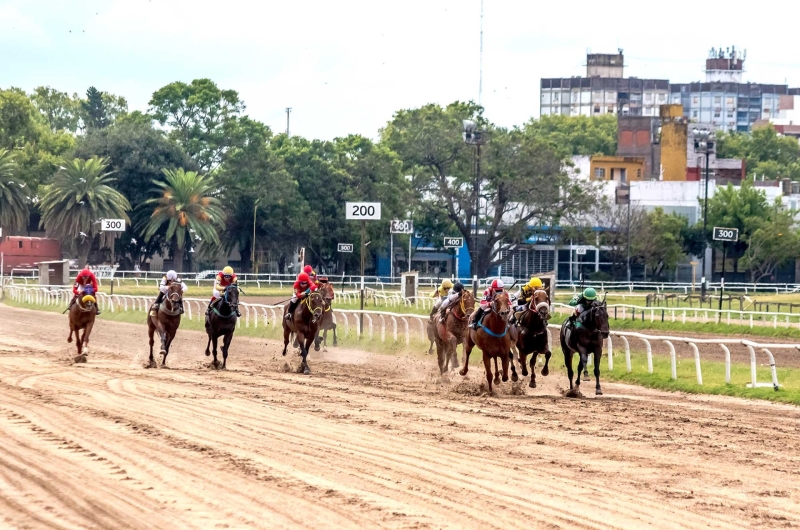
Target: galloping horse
453,331
165,322
326,323
586,337
221,322
493,340
81,317
529,336
304,324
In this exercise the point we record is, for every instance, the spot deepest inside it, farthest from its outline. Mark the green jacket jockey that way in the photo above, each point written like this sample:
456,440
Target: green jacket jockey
582,301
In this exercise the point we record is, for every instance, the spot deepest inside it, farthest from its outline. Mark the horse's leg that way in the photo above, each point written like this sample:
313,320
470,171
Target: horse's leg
166,350
487,364
441,355
87,331
286,334
454,353
214,345
532,383
514,376
306,368
71,331
208,346
335,341
598,352
504,361
316,341
151,332
545,369
523,361
226,343
497,372
300,338
581,366
567,358
467,351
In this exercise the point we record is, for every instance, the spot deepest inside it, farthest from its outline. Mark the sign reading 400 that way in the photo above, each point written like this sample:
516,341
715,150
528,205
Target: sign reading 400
363,211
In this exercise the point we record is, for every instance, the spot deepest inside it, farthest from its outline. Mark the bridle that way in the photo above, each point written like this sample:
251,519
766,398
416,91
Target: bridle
316,312
175,303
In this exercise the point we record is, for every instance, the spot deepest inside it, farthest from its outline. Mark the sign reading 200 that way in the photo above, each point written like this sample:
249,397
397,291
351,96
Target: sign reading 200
363,211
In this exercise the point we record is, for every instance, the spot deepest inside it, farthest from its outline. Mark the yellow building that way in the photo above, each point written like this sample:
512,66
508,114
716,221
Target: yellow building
674,141
618,168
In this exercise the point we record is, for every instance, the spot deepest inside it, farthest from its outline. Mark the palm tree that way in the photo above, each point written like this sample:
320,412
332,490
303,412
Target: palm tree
13,196
77,199
185,204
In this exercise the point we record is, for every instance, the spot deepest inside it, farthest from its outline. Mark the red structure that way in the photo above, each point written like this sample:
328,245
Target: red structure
23,252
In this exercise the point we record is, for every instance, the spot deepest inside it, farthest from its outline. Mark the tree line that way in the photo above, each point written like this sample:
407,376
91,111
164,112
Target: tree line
194,174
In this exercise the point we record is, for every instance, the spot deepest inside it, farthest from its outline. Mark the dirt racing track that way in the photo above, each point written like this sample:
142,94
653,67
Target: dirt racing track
366,441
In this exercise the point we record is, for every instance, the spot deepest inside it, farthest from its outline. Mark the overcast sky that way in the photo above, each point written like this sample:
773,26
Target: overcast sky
345,66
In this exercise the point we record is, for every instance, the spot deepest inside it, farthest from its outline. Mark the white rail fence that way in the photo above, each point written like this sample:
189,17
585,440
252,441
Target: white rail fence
410,324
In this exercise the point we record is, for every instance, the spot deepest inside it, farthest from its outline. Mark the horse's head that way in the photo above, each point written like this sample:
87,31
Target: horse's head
232,296
468,303
174,296
502,305
541,302
326,290
316,303
596,318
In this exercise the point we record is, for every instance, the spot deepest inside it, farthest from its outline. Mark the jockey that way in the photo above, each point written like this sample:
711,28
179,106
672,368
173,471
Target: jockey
582,301
85,278
223,279
525,295
169,278
441,292
302,287
312,275
453,297
489,294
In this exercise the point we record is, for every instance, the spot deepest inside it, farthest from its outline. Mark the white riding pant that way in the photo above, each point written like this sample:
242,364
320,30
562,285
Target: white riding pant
216,294
295,298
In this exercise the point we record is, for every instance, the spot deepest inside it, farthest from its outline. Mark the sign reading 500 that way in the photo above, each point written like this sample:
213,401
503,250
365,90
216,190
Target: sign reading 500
363,211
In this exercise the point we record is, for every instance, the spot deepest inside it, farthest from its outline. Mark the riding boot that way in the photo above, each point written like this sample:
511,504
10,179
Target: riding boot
292,307
208,309
477,320
96,309
443,315
238,314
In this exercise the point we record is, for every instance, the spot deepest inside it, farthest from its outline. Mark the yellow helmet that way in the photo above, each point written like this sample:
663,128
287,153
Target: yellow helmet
535,283
447,284
227,270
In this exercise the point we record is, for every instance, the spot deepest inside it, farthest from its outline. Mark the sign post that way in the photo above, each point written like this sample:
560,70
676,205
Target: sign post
725,235
398,227
454,243
580,252
363,211
113,225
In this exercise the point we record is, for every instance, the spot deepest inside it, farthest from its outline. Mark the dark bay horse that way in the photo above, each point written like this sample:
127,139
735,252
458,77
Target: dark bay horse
585,337
326,323
493,339
453,331
221,322
165,322
81,318
304,324
529,336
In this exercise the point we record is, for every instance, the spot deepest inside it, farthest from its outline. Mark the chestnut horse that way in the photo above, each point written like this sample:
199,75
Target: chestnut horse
326,323
81,318
453,331
493,339
585,336
304,324
165,321
529,336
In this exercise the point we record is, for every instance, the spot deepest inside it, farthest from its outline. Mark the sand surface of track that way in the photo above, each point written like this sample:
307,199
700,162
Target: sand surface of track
366,441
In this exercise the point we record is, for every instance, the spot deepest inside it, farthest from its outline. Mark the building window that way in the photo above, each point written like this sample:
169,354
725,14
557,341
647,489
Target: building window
695,100
694,114
599,173
717,100
662,98
19,243
610,110
730,115
730,102
716,114
597,109
639,174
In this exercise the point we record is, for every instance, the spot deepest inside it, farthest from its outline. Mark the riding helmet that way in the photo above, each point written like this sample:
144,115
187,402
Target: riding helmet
589,293
458,287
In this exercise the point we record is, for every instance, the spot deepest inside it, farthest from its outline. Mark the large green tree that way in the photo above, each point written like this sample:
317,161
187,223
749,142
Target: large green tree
136,154
187,207
774,241
657,240
766,153
13,195
523,182
577,135
60,110
77,199
203,118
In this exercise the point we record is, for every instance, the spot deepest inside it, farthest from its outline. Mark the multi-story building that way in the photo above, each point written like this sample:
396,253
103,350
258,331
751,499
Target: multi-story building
604,90
787,122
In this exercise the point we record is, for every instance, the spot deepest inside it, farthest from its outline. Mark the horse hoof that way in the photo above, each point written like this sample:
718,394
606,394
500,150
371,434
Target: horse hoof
79,359
208,353
545,371
462,372
162,352
496,381
69,340
152,364
306,371
505,378
514,378
598,392
524,373
532,384
573,393
586,378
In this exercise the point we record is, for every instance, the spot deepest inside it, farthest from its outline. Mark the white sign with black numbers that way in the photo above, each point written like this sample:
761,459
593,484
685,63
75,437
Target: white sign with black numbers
402,227
453,242
363,211
113,225
345,247
580,251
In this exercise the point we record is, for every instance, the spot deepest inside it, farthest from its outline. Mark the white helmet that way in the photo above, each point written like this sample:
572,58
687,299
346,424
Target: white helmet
172,275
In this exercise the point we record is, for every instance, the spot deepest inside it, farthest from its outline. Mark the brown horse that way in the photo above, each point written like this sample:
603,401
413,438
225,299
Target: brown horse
304,324
453,331
326,323
165,321
529,336
493,339
585,336
81,318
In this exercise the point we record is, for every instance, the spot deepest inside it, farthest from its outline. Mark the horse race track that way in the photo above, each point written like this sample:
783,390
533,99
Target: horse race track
367,441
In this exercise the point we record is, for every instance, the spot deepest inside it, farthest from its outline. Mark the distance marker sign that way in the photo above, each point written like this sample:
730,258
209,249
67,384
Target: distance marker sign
730,235
453,242
363,211
345,247
113,225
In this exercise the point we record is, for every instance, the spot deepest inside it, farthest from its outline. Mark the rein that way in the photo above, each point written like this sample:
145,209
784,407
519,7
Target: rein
225,299
489,331
174,311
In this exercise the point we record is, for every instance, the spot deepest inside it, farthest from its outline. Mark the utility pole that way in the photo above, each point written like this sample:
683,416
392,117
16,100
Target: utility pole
288,111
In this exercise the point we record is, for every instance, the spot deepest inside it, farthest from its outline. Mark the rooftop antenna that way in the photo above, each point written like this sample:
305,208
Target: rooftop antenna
288,111
480,76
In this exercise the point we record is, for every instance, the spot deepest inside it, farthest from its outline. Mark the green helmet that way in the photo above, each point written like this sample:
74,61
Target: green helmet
589,293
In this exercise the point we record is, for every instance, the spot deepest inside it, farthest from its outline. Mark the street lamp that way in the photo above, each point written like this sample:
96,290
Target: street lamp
704,143
473,136
253,265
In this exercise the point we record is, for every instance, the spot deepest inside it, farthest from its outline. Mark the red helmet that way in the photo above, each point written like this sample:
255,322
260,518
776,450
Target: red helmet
85,272
303,278
307,269
497,285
